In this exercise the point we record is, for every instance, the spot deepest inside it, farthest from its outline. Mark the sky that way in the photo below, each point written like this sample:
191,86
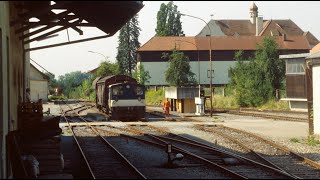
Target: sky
65,59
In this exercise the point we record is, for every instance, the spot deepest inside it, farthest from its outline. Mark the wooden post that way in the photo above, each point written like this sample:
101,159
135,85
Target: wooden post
309,98
277,95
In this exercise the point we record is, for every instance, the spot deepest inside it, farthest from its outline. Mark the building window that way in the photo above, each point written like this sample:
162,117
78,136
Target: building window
208,73
295,66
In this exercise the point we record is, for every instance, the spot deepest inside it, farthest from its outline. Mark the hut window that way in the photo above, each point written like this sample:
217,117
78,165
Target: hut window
295,66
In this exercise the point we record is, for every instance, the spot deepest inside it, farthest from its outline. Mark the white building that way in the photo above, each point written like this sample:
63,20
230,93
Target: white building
38,85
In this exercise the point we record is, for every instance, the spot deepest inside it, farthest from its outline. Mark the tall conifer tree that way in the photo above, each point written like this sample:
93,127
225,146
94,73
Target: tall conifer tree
128,44
168,22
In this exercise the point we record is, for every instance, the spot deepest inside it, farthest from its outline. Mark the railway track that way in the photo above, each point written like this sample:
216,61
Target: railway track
185,170
102,159
274,165
268,152
270,114
256,110
275,117
228,163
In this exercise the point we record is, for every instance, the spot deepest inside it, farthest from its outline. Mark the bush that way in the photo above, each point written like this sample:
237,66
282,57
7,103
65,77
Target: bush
155,97
220,101
256,79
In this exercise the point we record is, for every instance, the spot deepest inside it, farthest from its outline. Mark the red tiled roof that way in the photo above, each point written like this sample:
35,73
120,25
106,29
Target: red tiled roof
246,28
220,43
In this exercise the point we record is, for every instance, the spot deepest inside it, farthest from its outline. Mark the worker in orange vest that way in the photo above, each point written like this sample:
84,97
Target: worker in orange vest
166,107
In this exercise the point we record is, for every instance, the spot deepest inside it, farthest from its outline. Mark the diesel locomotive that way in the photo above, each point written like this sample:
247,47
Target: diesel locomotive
120,96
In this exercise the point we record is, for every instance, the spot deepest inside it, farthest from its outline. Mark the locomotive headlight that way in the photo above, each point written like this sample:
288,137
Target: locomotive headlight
139,98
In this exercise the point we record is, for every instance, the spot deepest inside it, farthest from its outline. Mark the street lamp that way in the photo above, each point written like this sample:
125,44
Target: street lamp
209,55
105,58
198,59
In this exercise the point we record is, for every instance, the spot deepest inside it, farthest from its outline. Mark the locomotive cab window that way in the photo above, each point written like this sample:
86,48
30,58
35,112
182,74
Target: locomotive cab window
117,90
139,91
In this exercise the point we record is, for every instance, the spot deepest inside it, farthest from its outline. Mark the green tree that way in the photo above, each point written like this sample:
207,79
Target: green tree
107,68
162,20
141,74
70,81
179,72
128,45
267,57
255,79
168,21
53,83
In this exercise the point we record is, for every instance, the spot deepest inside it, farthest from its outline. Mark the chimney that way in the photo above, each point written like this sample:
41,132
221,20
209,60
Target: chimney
284,37
259,25
253,12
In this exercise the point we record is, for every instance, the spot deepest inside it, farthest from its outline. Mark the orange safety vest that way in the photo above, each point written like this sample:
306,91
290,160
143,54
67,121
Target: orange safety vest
166,104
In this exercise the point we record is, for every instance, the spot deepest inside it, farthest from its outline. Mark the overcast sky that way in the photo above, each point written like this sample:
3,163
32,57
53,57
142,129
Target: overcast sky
69,58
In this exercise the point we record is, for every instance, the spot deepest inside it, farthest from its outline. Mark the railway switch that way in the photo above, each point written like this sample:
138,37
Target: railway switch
171,157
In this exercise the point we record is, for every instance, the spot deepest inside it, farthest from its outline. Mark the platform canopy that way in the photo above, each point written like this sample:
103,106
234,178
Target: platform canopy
108,16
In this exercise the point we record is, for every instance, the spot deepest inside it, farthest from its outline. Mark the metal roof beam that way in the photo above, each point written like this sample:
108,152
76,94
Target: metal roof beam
28,15
35,24
54,31
58,24
40,30
73,27
67,43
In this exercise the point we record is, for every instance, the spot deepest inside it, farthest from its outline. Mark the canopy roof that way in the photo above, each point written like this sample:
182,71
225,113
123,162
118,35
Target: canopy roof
108,16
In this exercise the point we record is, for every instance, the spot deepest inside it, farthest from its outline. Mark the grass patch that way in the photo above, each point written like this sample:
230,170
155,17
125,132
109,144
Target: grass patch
219,101
155,97
294,140
312,141
54,97
275,105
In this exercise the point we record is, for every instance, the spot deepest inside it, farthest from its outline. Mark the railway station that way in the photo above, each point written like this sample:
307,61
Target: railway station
119,135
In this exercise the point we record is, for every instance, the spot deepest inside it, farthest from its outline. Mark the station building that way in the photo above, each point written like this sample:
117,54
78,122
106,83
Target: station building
227,37
223,52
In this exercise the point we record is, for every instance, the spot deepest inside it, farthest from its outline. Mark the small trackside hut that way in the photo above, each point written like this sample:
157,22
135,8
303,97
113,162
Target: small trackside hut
183,98
120,96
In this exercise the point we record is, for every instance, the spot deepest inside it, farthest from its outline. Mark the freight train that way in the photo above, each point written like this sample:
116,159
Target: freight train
120,96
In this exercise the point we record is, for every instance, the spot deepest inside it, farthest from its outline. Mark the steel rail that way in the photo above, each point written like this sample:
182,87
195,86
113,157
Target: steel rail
178,150
112,147
297,156
257,110
246,148
234,174
216,150
271,166
252,162
269,116
78,145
